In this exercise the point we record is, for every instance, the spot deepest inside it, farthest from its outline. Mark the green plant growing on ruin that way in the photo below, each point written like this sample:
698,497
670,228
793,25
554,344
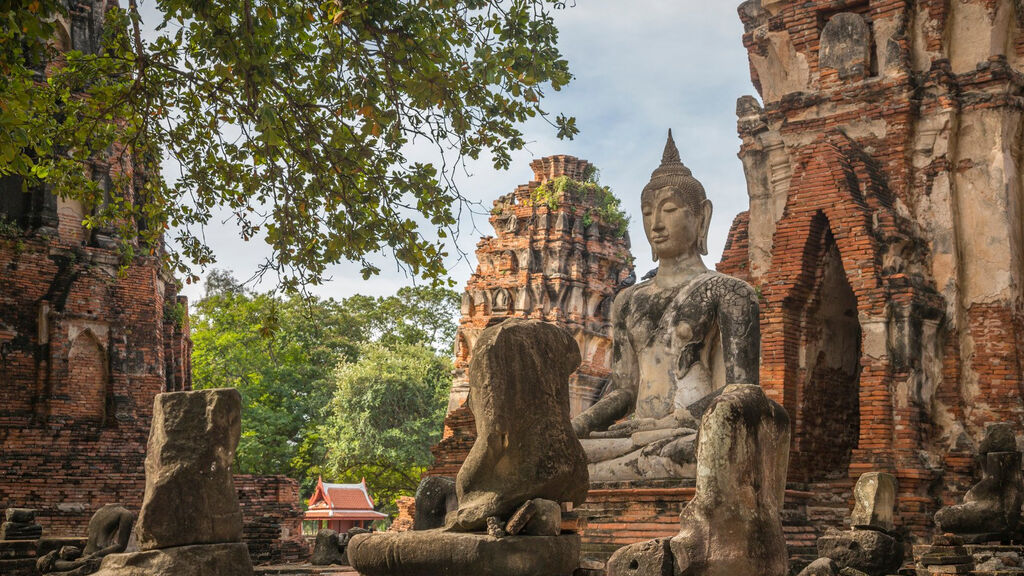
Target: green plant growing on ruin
606,206
9,228
175,313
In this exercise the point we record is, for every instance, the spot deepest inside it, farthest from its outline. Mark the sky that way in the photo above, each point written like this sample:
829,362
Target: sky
640,67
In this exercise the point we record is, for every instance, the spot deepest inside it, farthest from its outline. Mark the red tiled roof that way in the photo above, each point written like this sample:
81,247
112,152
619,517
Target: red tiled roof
350,501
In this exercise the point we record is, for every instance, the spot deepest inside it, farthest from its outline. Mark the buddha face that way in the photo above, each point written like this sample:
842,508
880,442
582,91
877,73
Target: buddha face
674,229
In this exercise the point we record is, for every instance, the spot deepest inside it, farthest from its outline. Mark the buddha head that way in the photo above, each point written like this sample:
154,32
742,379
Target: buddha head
676,211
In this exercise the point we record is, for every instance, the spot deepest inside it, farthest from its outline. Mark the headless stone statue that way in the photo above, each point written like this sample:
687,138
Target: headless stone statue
733,525
525,462
678,339
991,508
109,531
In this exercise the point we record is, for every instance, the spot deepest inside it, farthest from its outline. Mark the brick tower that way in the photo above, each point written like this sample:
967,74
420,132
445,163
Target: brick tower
560,254
884,232
84,346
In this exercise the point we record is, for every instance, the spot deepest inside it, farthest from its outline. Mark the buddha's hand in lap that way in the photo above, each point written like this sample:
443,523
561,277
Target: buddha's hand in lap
634,425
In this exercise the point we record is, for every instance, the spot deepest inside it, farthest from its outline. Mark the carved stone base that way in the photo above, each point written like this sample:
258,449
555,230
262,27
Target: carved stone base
434,552
200,560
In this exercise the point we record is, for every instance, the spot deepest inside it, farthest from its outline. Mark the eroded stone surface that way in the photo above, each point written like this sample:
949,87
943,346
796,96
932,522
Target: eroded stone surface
434,552
435,498
525,446
733,523
650,558
846,46
678,339
820,567
869,551
202,560
190,495
874,497
991,508
109,533
327,549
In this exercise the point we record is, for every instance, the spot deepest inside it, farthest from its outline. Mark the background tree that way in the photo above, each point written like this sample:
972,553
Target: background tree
280,353
387,412
295,116
283,353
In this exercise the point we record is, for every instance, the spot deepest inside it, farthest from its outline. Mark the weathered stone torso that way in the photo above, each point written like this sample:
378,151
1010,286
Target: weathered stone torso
675,334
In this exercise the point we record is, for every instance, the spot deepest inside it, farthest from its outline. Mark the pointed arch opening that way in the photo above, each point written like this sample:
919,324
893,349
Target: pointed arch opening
828,367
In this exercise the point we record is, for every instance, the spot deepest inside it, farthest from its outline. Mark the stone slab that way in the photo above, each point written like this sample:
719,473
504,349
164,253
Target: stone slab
434,552
201,560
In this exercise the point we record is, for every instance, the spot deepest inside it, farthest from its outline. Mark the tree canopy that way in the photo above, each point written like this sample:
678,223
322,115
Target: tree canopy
387,412
296,117
309,369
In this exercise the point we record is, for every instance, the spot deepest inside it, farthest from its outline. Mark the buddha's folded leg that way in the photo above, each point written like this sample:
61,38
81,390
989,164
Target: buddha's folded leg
602,449
642,464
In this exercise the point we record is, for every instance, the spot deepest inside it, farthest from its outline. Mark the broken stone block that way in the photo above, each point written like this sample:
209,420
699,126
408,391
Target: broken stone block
946,555
435,498
650,558
733,524
546,519
190,524
20,525
20,515
20,531
999,437
870,551
190,495
327,549
874,499
820,567
991,508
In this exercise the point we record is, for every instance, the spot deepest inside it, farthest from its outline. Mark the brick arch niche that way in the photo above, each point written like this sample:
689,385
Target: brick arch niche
82,396
827,365
825,283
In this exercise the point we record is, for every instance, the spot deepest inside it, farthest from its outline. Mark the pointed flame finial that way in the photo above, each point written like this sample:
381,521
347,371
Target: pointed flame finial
671,153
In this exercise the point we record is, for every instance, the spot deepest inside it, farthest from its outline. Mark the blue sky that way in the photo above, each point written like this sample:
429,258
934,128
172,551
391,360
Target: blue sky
640,67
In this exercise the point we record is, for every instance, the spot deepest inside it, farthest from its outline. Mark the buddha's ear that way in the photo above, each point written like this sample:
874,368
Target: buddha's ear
705,225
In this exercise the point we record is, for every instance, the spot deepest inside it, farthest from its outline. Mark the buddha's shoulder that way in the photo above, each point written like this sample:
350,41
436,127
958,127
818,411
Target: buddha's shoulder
715,279
728,288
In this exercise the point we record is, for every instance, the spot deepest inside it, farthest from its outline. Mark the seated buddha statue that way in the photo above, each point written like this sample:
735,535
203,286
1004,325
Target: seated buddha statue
677,340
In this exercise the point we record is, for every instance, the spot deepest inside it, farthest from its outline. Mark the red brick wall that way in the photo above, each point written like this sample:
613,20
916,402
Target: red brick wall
272,520
75,413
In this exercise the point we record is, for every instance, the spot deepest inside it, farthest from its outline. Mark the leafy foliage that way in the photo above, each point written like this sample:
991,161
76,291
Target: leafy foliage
606,206
282,354
387,411
294,116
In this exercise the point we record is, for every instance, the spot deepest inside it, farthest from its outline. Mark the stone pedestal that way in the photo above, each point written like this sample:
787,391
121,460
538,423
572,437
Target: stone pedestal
201,560
946,555
435,552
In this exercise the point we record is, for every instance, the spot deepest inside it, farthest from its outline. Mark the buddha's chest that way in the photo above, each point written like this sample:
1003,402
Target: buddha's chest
669,319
